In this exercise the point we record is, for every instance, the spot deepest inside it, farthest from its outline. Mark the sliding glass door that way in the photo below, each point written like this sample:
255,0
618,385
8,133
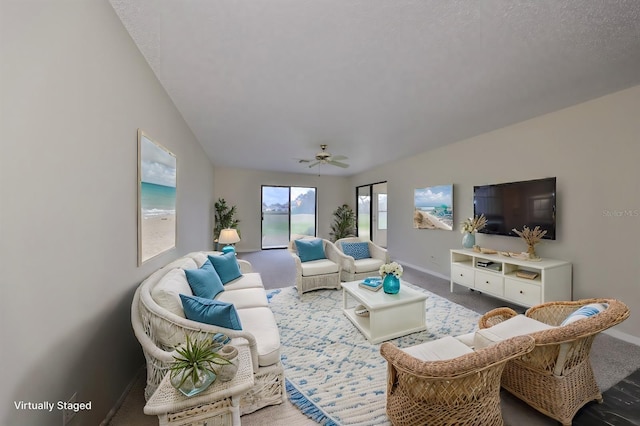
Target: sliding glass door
371,205
287,212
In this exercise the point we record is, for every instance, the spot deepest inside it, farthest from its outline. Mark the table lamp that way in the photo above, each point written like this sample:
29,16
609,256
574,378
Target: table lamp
229,237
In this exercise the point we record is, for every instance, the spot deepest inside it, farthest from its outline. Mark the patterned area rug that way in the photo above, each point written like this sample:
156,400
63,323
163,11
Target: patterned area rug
334,375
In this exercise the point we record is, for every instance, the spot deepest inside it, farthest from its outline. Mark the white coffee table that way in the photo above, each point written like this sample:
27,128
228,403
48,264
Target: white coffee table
217,405
390,315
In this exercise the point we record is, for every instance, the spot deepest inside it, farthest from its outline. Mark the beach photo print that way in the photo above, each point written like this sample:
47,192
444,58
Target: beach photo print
156,198
433,207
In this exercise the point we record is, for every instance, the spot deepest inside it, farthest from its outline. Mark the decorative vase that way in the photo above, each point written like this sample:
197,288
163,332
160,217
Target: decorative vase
531,251
391,284
227,372
468,240
188,388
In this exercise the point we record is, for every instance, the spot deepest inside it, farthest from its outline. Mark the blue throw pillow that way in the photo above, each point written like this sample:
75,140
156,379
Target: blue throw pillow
356,250
310,249
226,266
204,282
209,311
585,312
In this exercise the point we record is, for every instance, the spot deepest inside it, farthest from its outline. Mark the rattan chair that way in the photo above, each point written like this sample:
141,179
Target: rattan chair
556,378
461,391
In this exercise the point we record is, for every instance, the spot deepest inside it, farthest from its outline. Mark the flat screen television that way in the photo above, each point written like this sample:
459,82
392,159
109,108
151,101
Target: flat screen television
517,204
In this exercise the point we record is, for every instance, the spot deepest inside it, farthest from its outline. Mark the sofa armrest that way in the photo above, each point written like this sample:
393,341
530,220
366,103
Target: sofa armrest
245,266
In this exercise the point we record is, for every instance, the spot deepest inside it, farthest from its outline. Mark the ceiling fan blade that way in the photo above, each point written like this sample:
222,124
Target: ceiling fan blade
339,157
303,161
339,164
314,164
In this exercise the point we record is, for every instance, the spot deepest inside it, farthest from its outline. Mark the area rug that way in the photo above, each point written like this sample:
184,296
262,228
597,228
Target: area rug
334,375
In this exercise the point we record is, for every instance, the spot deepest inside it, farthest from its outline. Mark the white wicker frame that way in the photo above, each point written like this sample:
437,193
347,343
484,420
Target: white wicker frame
348,263
147,317
314,282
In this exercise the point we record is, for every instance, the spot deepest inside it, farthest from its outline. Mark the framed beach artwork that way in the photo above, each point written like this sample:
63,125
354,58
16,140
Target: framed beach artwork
156,198
433,207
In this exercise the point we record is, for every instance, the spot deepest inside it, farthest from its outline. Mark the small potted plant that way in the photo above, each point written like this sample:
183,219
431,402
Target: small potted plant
344,223
531,237
195,365
470,227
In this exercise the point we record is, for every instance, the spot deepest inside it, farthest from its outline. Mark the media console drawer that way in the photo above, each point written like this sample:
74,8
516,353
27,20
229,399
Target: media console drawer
489,282
462,275
525,293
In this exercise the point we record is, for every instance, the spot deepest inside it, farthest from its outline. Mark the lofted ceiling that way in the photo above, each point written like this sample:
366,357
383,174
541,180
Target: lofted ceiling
263,83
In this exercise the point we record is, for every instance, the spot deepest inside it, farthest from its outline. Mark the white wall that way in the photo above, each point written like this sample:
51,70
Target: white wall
592,148
74,90
242,188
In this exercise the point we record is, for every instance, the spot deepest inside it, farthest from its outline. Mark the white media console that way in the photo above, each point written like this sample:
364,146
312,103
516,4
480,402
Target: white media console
499,279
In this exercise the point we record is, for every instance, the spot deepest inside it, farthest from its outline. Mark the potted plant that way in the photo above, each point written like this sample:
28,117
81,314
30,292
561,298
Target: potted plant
344,223
469,228
224,218
531,237
195,365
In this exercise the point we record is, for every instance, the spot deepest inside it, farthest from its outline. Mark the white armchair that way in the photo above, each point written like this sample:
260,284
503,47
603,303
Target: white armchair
321,272
358,263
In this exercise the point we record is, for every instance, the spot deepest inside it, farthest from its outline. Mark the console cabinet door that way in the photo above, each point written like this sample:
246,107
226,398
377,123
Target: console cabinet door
462,275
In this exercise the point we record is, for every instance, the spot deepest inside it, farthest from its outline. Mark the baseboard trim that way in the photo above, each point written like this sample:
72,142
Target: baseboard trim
120,400
623,336
426,271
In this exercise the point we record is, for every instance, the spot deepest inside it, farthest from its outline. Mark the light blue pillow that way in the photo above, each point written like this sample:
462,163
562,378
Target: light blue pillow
204,282
209,311
356,250
585,311
310,249
226,265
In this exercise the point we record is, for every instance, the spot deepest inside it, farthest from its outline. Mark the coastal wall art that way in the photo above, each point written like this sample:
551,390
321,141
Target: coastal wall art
156,198
433,207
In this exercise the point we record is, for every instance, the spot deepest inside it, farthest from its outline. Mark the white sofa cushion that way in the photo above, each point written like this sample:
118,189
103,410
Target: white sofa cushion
368,265
247,280
244,298
516,326
445,348
319,267
183,263
262,324
166,292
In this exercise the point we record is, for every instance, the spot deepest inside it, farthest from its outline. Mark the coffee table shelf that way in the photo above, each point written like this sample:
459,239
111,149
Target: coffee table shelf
390,315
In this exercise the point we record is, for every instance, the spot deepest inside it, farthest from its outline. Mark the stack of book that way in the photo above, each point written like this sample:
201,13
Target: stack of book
371,283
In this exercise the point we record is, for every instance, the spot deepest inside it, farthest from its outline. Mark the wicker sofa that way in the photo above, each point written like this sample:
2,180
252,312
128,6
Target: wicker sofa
160,324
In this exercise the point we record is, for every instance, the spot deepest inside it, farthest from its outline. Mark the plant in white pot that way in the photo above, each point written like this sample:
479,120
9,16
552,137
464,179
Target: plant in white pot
195,364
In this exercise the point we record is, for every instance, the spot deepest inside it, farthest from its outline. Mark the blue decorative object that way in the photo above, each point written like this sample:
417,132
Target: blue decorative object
226,265
356,250
188,388
204,282
209,311
228,249
391,284
309,250
468,240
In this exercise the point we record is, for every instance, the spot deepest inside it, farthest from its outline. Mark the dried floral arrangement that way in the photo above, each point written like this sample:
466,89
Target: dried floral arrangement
531,237
472,225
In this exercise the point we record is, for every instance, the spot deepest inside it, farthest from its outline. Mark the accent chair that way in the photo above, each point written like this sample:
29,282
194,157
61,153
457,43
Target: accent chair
317,263
360,258
556,378
445,382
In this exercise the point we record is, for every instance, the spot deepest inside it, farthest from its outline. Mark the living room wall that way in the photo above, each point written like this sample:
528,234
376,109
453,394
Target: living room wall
242,188
593,150
74,91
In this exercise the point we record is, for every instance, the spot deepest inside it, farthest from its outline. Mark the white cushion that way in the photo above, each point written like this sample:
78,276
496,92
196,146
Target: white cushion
516,326
319,267
244,298
199,258
183,263
166,292
467,339
445,348
367,265
247,280
262,323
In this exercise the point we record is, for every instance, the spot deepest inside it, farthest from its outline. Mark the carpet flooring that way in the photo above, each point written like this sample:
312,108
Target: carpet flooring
612,359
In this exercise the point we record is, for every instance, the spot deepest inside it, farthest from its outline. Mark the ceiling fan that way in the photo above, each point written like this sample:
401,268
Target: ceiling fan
324,157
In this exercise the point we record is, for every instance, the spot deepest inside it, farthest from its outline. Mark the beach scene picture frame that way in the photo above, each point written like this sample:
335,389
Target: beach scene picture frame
157,185
433,207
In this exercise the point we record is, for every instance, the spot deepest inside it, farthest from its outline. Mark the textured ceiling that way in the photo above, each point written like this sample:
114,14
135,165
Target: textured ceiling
263,83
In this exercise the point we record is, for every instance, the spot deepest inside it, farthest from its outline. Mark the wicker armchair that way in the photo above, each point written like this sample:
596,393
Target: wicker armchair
316,274
358,269
556,378
461,391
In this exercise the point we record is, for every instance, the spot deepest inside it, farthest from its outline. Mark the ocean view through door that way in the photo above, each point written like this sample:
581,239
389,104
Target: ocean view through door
287,212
